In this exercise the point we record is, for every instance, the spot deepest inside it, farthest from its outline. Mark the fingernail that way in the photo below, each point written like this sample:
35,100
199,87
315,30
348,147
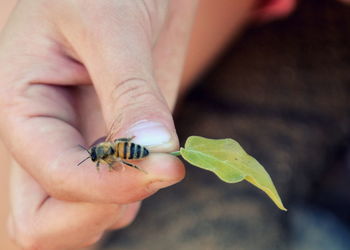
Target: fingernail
149,133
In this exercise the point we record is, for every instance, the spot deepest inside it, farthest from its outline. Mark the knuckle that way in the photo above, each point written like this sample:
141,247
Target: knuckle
60,188
129,88
126,216
144,193
125,222
132,93
25,236
92,240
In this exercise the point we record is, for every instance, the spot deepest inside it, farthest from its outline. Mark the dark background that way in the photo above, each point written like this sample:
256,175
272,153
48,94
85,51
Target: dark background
283,91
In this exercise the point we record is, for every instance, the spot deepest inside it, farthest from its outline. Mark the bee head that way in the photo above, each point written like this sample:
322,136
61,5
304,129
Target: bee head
93,154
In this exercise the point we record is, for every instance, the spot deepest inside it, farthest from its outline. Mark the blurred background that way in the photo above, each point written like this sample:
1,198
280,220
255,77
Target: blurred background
283,91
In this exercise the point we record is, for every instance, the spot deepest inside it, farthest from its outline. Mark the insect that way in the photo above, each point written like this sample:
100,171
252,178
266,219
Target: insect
119,150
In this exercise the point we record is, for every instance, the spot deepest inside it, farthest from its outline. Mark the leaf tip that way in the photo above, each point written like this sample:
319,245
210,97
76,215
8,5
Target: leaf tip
281,206
279,203
284,209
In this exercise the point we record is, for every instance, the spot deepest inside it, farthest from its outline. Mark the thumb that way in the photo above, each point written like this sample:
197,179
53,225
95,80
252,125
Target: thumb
136,108
121,68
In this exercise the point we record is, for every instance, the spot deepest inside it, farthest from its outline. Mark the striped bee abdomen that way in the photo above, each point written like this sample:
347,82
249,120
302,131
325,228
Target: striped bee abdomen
130,150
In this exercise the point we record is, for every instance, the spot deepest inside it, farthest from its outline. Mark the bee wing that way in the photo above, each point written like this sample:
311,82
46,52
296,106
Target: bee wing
113,129
99,140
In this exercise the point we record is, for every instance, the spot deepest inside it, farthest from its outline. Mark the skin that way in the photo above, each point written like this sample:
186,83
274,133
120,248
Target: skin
42,104
73,69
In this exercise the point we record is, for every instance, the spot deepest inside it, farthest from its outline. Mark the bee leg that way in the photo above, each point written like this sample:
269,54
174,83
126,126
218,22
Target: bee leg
98,166
133,166
111,167
111,161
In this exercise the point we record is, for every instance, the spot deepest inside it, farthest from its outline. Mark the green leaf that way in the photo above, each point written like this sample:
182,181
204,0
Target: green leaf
228,160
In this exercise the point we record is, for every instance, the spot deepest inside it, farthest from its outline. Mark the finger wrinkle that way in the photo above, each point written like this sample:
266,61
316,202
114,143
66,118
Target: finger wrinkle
121,87
46,101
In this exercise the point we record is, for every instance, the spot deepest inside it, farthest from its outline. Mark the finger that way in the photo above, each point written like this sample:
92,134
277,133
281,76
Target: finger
120,64
126,216
41,222
170,49
22,51
41,132
54,156
119,186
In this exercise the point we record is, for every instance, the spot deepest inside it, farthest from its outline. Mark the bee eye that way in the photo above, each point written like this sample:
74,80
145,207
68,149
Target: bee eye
93,154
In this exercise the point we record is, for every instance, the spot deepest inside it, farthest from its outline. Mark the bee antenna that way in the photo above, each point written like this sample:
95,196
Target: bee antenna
83,160
86,157
84,148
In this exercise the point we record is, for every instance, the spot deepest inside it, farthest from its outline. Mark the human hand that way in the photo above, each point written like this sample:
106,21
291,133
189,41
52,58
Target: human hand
69,70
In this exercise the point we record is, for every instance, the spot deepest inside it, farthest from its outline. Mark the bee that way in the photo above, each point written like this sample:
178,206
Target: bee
119,150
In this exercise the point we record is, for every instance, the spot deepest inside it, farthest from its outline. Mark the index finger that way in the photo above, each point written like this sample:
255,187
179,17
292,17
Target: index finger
42,133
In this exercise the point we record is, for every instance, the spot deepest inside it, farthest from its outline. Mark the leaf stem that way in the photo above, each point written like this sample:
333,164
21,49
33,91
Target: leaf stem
176,153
